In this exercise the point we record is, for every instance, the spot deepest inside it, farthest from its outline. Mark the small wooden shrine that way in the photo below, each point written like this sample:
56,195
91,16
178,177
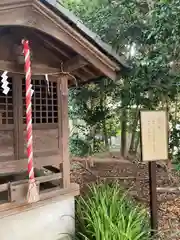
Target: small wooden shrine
63,53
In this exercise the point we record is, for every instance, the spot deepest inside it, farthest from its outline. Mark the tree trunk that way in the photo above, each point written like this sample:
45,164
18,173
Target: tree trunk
169,162
137,143
175,122
135,123
110,141
105,134
123,132
92,140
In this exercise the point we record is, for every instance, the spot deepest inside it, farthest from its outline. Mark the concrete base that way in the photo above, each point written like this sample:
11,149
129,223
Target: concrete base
52,221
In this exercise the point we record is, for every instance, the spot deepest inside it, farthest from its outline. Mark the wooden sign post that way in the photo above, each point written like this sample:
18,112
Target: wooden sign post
154,147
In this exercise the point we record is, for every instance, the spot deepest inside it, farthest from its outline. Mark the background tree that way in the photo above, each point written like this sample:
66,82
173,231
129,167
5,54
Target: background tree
147,33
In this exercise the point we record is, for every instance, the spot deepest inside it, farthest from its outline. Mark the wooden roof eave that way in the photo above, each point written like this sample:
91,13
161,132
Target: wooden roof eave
77,24
35,15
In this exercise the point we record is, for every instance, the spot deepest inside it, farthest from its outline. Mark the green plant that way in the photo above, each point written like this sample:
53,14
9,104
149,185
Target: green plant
143,32
78,147
107,213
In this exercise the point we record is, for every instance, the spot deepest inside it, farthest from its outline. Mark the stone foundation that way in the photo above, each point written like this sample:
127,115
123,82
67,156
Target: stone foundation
52,221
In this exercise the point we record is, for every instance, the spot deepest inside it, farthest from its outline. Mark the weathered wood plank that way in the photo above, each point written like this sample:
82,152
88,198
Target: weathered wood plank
64,128
18,192
47,196
15,118
74,64
40,153
21,165
44,126
42,179
4,187
70,66
40,126
18,117
61,51
40,69
6,127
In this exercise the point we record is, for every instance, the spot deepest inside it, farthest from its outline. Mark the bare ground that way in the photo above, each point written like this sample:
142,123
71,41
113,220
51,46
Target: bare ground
168,203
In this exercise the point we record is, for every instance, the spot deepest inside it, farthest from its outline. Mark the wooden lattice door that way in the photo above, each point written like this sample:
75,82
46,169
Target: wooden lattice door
44,115
6,122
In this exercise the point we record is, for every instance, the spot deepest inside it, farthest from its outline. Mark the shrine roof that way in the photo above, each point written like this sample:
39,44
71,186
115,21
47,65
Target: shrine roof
77,24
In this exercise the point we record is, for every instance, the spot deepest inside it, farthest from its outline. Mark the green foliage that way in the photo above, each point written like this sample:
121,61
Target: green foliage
147,32
78,146
106,213
92,104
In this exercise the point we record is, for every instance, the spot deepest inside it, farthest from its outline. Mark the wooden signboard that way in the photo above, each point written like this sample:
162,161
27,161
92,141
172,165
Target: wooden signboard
154,147
154,135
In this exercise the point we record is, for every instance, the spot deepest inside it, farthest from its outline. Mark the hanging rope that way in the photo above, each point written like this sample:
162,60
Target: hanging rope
33,195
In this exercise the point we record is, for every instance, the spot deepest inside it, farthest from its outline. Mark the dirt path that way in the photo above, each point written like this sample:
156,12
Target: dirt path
169,204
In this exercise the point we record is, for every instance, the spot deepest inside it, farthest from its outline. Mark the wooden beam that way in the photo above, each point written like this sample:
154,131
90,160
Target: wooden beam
89,72
81,76
21,165
49,196
5,3
43,126
6,127
37,154
37,126
84,74
19,189
74,64
41,179
41,69
63,133
18,117
37,69
70,65
50,44
4,187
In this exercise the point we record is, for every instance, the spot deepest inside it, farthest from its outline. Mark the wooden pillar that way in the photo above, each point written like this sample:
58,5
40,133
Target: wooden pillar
18,117
63,127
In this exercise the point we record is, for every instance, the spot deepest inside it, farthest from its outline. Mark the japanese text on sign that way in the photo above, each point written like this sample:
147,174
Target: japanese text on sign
154,135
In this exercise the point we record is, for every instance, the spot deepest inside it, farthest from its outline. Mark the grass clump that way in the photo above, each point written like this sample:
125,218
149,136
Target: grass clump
107,213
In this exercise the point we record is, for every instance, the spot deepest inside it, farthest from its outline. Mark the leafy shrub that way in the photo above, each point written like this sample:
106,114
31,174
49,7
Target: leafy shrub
78,147
106,213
